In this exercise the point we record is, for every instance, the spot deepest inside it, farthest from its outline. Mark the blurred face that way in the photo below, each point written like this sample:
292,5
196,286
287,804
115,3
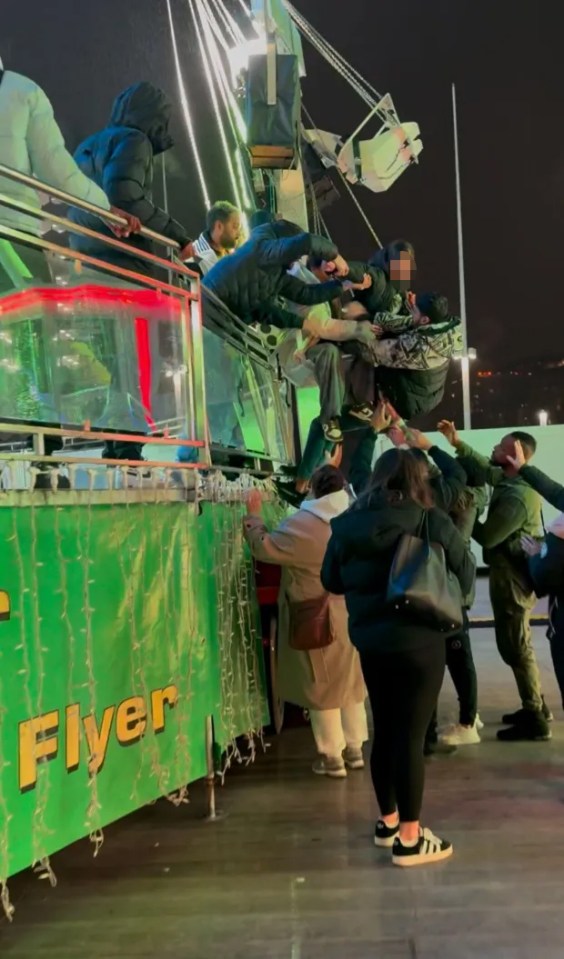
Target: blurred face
227,234
503,449
402,267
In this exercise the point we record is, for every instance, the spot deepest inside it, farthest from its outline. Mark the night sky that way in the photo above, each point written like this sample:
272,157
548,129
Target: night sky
507,67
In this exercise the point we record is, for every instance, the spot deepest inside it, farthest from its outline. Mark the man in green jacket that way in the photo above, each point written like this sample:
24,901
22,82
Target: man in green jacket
515,511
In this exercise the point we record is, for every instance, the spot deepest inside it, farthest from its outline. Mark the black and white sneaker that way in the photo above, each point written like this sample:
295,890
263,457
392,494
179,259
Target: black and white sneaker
362,412
384,836
332,431
428,849
524,715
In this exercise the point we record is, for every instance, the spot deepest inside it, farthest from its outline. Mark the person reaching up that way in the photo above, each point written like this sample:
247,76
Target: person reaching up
546,557
514,512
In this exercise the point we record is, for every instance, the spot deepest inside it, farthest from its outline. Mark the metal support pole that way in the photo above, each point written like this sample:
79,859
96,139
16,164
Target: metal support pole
465,363
210,778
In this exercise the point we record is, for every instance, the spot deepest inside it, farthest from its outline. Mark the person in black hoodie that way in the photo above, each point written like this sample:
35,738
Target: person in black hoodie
546,559
403,661
120,159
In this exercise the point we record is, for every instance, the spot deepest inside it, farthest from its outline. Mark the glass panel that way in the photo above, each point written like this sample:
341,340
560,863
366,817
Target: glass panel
244,410
80,346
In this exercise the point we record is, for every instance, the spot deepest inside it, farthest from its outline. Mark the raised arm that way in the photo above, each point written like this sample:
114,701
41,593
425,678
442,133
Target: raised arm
309,294
552,492
277,547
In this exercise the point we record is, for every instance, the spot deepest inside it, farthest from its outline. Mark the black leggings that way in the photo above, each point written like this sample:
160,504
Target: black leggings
403,688
460,664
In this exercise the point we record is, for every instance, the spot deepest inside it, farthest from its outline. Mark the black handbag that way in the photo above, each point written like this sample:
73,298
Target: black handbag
421,587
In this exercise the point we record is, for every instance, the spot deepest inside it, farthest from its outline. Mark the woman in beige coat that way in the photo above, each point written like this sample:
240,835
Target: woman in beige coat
328,681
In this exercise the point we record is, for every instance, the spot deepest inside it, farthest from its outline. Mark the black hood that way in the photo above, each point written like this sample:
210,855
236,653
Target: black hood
146,108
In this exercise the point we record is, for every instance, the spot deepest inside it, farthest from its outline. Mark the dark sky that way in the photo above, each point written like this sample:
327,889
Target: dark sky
507,67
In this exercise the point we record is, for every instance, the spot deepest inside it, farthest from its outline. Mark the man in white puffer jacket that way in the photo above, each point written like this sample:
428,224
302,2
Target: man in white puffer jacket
32,143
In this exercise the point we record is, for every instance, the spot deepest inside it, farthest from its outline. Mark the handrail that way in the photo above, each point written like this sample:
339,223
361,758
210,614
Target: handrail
56,194
38,213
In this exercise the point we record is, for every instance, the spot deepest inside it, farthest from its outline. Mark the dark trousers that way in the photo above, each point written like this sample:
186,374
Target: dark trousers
460,664
124,450
403,688
513,602
327,361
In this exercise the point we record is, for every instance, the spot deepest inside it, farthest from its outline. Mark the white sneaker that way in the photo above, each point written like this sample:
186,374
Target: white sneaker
479,723
334,768
458,735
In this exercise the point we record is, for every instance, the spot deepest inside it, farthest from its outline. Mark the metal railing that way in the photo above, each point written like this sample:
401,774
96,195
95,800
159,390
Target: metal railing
218,319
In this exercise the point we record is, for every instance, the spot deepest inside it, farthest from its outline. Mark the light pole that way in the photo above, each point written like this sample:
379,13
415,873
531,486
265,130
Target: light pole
465,358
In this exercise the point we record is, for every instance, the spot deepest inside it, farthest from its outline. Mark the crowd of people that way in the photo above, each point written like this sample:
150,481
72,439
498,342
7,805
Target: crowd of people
380,356
344,542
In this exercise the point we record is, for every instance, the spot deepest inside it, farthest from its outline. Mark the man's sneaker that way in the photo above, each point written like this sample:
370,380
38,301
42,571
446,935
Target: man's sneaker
384,836
523,715
457,735
332,431
334,767
353,758
362,412
533,728
428,849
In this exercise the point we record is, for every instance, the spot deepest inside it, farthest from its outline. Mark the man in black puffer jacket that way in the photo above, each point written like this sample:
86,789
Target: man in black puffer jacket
120,160
251,280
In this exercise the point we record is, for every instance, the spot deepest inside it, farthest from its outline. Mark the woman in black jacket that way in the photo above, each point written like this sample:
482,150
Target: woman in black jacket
546,559
403,661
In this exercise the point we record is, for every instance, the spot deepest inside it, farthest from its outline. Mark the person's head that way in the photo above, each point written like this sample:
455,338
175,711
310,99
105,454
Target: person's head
223,224
506,448
326,480
315,265
434,307
401,476
146,108
397,260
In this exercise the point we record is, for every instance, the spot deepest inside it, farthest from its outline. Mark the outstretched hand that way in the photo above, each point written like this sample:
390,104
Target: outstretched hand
518,460
254,502
449,431
382,417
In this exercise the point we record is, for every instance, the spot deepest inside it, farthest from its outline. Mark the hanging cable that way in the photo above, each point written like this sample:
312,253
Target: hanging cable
364,89
186,108
350,190
231,107
200,25
229,22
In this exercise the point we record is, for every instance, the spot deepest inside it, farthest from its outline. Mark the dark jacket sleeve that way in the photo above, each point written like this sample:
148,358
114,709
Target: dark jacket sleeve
287,250
309,294
331,570
458,557
275,315
552,492
124,185
449,485
360,468
504,519
547,568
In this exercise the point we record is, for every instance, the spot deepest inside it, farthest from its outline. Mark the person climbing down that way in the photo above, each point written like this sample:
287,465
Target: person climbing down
411,352
252,280
312,356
